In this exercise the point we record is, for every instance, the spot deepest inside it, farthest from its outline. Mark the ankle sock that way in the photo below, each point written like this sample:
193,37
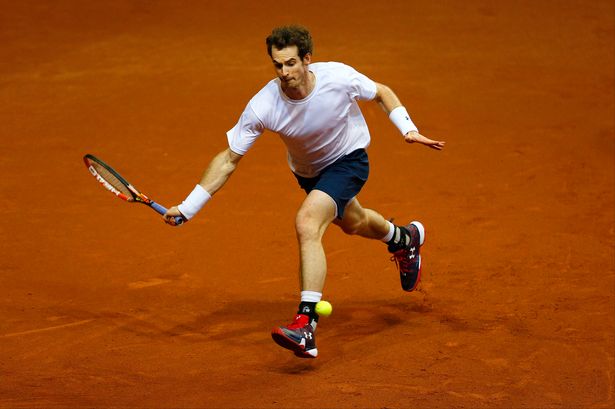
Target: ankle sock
390,234
309,309
308,304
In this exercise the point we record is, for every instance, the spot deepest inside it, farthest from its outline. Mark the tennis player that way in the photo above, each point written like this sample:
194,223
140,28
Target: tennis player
313,107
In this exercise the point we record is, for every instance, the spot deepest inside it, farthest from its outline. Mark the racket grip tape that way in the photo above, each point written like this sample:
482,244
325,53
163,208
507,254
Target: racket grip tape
162,210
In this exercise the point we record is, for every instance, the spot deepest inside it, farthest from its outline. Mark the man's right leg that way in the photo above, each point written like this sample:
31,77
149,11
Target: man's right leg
313,218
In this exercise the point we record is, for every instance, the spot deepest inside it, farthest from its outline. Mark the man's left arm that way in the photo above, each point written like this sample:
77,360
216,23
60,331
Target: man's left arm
400,117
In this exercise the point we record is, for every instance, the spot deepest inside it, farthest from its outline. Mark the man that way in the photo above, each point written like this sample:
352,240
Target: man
313,107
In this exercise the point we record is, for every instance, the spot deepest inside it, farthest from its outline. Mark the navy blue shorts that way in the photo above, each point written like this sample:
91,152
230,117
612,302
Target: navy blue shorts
342,180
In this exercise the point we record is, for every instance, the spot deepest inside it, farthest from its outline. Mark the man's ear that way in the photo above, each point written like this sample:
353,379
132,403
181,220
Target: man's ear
307,58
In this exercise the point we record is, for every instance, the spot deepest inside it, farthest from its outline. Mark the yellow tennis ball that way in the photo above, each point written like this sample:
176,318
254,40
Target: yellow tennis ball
324,308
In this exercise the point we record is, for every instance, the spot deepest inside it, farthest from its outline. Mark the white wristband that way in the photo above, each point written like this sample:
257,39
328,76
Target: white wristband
401,119
194,202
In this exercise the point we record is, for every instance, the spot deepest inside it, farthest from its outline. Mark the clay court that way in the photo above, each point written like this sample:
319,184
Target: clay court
103,305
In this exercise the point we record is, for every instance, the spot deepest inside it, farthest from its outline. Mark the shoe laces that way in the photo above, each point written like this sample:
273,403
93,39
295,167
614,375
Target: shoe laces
400,257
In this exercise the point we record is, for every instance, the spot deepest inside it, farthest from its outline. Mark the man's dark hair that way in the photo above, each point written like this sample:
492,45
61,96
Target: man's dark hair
285,36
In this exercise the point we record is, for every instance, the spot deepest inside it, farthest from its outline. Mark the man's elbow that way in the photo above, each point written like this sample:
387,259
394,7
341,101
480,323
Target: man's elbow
382,91
231,158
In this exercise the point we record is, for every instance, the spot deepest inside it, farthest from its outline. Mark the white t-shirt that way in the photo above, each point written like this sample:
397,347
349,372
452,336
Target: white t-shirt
318,129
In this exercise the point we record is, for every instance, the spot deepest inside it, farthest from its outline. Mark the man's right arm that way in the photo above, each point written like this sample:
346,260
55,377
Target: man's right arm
215,176
219,170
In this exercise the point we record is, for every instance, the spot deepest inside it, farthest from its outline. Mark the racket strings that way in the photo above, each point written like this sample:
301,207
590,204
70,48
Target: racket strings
109,180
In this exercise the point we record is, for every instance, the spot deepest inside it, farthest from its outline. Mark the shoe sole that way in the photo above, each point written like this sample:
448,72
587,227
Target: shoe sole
282,340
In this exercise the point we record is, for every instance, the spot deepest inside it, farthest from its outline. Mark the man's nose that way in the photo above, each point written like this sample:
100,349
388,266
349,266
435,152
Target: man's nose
284,70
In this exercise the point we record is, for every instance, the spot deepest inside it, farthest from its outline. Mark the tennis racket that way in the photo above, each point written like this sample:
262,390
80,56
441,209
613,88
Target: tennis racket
117,185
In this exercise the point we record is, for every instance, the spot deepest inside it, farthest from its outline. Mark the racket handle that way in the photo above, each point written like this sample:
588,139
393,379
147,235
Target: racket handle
162,210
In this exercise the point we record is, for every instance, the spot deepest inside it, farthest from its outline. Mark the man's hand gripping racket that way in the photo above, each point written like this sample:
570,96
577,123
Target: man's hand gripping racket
171,216
117,185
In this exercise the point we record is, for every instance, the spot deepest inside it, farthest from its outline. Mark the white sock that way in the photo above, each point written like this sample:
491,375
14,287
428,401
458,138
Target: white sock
310,296
389,235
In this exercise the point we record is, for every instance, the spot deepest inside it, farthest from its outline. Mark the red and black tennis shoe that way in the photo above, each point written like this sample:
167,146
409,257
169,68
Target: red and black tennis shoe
298,336
407,256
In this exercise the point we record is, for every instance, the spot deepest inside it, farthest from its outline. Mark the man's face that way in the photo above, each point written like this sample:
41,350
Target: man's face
291,69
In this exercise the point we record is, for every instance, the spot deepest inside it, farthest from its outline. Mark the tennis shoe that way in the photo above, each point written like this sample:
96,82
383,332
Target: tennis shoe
408,258
298,336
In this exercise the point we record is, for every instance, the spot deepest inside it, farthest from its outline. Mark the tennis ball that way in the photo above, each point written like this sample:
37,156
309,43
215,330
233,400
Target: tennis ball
324,308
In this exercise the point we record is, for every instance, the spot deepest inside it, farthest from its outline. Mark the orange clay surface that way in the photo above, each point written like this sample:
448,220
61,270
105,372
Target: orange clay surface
103,305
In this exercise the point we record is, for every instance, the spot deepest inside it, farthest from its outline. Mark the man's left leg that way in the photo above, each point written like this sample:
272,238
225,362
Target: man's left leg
363,222
404,242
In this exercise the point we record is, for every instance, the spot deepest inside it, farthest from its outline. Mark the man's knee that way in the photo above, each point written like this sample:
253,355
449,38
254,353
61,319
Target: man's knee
314,215
307,226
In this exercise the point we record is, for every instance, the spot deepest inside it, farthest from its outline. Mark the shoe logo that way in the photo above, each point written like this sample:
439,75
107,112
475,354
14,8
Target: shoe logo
412,255
308,335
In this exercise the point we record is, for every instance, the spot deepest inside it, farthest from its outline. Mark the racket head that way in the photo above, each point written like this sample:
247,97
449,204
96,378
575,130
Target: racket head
110,179
116,184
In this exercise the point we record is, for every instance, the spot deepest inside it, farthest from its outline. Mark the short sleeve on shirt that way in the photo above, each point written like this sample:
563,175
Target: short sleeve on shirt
245,132
361,87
